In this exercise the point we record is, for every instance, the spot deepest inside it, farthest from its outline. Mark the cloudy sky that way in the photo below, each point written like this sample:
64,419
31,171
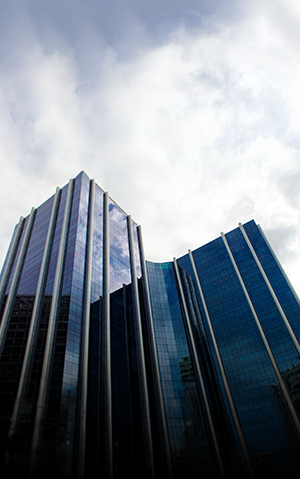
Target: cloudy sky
187,112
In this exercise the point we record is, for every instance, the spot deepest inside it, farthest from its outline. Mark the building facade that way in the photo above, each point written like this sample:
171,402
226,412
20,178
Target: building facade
114,366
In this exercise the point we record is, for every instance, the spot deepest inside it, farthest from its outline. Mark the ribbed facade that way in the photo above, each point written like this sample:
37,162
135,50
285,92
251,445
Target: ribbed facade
112,366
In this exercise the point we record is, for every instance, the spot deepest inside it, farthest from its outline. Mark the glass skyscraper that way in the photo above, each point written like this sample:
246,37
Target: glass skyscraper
113,366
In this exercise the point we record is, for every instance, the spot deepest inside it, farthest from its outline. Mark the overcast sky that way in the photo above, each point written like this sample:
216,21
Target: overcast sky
187,112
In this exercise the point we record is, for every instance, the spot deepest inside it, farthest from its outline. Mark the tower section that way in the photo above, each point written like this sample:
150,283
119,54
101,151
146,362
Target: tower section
75,352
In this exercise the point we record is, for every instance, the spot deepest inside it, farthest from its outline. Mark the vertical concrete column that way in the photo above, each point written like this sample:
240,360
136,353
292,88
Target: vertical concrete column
274,297
161,416
50,341
223,374
148,447
264,339
15,281
35,318
197,368
5,274
106,346
85,335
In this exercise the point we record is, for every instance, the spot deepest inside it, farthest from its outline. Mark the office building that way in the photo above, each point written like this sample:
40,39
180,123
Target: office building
113,366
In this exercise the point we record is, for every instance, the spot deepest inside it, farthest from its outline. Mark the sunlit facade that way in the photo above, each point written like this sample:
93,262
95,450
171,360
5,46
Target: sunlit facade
113,366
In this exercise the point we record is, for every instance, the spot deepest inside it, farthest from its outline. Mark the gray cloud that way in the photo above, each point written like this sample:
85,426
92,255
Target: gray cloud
82,28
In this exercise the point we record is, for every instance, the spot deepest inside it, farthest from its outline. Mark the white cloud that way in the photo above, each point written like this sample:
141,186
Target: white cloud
190,136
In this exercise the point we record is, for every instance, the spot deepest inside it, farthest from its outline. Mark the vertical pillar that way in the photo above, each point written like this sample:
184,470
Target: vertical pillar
15,281
85,335
264,339
274,297
148,447
50,341
106,346
161,416
35,318
5,274
197,368
223,374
